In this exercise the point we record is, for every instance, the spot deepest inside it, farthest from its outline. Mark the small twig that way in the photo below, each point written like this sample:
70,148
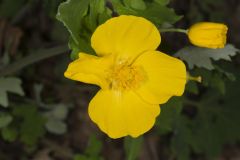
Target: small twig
33,58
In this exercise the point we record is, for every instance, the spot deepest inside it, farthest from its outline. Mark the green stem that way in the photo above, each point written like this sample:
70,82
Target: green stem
33,58
132,147
173,30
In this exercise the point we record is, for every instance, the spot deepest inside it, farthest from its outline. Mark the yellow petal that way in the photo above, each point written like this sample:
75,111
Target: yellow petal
125,36
120,114
208,34
165,77
89,69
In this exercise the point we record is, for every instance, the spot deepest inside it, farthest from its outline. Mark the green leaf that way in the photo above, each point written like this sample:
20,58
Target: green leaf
180,141
155,12
97,8
5,119
32,125
9,84
94,147
162,2
80,157
201,57
192,87
92,151
227,74
56,126
9,134
55,118
135,4
59,112
213,79
84,47
214,124
217,123
81,17
169,113
205,138
132,147
159,14
3,98
71,13
217,82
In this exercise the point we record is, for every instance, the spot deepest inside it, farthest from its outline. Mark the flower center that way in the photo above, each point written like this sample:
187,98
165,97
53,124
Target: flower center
124,76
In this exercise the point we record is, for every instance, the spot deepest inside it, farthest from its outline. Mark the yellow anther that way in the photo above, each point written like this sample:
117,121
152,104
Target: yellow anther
124,76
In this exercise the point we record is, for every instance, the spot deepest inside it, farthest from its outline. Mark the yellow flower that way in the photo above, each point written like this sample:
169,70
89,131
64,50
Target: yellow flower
133,76
209,35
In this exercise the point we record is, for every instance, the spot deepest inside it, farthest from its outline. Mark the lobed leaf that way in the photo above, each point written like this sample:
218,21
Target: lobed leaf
32,124
71,13
81,17
5,119
201,57
56,126
155,12
9,134
169,112
9,84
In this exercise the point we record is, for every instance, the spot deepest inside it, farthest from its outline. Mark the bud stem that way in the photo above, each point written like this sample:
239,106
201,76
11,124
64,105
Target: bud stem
174,30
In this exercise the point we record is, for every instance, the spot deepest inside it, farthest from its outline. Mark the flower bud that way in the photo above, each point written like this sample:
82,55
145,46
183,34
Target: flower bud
207,34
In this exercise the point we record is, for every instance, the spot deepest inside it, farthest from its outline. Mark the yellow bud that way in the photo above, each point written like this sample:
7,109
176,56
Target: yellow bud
208,34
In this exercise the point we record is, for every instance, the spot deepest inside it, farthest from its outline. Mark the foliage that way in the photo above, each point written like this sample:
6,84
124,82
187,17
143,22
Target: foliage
132,147
88,15
25,118
9,84
92,151
199,123
201,57
157,11
212,125
29,132
5,119
56,117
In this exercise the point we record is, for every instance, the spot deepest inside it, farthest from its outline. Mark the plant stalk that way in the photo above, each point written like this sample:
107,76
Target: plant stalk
173,30
32,58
